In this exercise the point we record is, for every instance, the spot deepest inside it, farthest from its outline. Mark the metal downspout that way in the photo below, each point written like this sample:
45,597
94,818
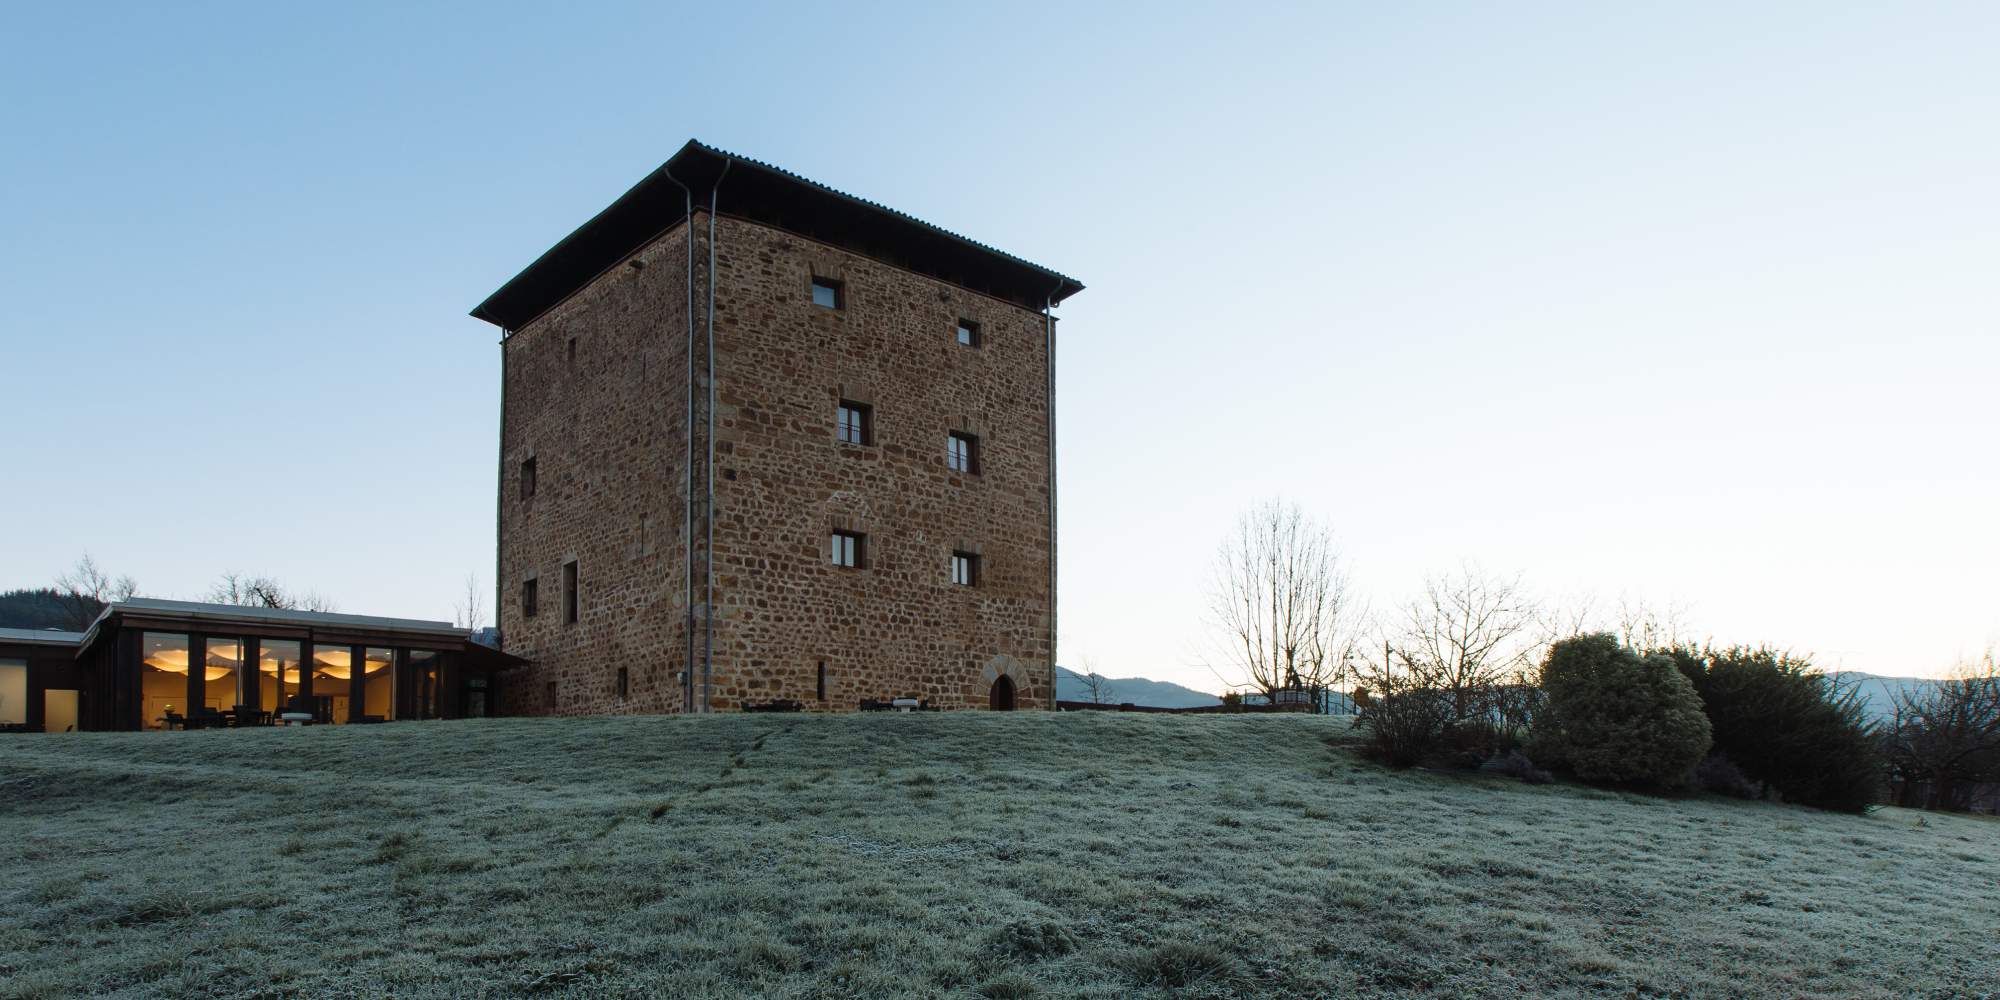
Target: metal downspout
708,552
500,498
1049,345
687,563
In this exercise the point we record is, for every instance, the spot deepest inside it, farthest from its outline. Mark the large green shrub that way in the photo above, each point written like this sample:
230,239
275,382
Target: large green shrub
1618,716
1787,726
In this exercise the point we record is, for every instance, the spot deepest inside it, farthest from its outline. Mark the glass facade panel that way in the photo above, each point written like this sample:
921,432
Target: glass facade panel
59,711
222,680
163,679
13,692
378,684
333,680
424,670
278,670
475,696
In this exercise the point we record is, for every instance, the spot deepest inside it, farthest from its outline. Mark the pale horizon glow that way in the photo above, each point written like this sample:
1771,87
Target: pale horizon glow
1689,305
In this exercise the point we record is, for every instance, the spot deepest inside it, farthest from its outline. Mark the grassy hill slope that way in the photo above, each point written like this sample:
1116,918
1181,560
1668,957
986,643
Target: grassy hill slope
1081,855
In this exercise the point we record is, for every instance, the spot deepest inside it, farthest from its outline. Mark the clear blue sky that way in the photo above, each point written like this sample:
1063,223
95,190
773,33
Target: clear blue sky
1691,303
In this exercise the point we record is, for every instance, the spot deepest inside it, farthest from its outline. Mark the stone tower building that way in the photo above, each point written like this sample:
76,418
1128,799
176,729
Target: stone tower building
764,441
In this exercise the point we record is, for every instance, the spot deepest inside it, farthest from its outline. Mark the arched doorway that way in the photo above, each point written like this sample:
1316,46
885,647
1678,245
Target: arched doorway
1002,697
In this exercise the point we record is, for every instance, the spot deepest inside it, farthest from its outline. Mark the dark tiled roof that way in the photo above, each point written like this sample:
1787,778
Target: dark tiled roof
776,197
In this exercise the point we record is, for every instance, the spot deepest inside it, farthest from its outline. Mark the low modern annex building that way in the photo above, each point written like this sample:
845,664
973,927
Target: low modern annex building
156,664
763,441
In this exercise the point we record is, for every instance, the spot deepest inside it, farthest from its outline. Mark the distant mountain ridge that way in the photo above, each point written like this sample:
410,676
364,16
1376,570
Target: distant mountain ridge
1880,692
1877,691
1135,691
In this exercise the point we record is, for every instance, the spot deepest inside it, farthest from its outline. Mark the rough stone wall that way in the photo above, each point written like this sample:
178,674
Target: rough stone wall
897,627
607,434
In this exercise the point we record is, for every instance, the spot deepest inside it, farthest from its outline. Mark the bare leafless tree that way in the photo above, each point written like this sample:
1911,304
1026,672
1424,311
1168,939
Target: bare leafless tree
1468,633
245,590
470,613
1637,623
1647,628
1400,707
1281,601
86,589
1944,737
1097,688
1568,618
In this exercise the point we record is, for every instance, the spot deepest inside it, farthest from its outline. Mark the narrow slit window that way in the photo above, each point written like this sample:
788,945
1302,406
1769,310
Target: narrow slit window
624,683
962,452
529,593
527,479
828,293
852,423
821,686
850,550
965,569
570,602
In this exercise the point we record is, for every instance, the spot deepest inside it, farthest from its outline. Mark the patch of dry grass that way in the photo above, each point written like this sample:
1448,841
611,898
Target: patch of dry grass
968,855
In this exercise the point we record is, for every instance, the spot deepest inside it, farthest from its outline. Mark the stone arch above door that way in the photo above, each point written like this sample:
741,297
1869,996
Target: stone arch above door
1003,664
996,668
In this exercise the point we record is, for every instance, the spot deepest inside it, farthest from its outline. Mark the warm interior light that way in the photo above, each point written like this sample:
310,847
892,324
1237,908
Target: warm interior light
175,661
335,662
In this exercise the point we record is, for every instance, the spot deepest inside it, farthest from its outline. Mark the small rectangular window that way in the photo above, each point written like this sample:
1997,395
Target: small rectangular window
828,293
572,352
624,683
965,569
527,479
529,588
850,550
852,423
569,593
961,452
968,333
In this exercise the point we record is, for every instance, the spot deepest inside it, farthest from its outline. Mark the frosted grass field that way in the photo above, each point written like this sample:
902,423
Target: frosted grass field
965,855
